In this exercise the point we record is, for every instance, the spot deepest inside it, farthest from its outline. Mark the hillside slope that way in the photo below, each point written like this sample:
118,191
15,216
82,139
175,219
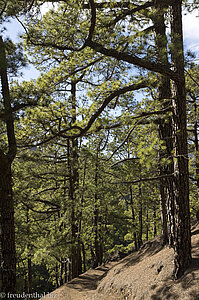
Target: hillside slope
146,274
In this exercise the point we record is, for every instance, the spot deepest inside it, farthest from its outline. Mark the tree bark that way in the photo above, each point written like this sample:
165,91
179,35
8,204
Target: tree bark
181,232
76,261
7,227
65,271
29,274
165,127
61,271
56,276
154,221
97,238
133,219
163,212
6,196
140,242
195,132
29,255
147,224
84,257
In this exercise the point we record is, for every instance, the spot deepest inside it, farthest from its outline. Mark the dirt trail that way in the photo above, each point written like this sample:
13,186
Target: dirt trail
84,287
143,275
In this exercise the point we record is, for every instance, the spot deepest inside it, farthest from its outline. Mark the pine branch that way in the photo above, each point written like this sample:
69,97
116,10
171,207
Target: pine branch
145,179
82,131
40,211
123,160
135,60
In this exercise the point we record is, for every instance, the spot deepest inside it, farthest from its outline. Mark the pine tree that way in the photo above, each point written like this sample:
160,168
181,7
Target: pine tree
7,155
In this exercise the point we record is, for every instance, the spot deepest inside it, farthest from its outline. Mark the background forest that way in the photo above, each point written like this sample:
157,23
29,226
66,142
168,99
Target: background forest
95,153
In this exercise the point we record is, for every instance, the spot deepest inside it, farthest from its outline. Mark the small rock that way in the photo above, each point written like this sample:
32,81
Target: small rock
159,269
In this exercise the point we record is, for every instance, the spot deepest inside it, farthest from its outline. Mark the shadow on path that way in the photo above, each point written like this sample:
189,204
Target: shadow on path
89,280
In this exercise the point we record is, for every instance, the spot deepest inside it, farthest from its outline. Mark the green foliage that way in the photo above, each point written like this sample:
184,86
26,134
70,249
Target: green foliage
110,204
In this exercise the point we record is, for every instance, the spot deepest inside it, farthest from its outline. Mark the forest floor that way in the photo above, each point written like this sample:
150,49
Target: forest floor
142,275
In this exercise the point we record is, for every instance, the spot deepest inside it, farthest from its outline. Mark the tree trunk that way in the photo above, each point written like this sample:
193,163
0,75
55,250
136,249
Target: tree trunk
65,271
29,274
154,221
147,225
195,132
69,269
6,197
165,126
7,227
76,262
101,248
29,255
81,244
163,212
96,217
133,219
140,242
96,241
56,276
61,271
181,232
84,257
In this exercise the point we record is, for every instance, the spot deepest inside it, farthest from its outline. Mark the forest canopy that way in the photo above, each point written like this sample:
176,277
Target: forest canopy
100,152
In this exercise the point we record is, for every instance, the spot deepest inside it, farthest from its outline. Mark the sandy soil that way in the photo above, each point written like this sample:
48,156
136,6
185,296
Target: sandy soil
143,275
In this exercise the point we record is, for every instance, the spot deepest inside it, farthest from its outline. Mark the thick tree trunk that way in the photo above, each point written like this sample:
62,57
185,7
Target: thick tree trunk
165,127
7,227
6,197
181,233
76,262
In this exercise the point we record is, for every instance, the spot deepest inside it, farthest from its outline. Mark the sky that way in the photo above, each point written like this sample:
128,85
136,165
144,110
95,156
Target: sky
191,32
190,29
